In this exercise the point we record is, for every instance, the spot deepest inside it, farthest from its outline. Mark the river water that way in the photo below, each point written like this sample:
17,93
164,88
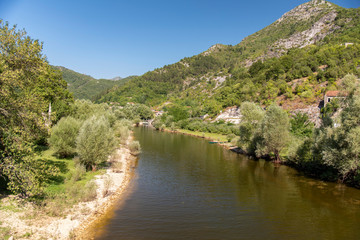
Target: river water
186,188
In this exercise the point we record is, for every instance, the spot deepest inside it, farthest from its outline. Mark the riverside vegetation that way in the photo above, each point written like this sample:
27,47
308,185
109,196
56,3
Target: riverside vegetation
280,68
262,75
51,167
329,152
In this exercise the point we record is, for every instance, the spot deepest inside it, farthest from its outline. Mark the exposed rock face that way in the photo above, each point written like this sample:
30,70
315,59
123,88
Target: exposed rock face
230,114
305,11
317,32
313,112
213,48
320,10
233,114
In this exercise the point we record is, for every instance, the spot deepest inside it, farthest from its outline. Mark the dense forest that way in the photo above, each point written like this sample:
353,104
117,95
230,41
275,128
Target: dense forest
86,87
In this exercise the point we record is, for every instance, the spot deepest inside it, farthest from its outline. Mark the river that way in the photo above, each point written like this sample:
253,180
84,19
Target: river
186,188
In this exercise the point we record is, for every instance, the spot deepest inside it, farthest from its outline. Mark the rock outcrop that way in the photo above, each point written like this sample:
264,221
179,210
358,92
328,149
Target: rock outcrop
230,114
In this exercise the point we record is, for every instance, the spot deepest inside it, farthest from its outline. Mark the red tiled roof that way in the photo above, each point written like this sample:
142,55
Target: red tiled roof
332,93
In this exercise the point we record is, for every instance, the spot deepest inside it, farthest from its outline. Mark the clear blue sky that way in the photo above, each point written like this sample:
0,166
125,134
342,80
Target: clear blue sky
111,38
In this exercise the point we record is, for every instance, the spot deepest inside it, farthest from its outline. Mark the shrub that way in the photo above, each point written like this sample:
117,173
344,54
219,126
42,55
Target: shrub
122,132
135,148
173,127
77,174
230,137
89,192
95,142
117,166
63,136
107,186
235,141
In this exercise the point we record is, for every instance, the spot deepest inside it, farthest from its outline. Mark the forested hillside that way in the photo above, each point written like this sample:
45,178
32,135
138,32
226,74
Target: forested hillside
86,87
314,45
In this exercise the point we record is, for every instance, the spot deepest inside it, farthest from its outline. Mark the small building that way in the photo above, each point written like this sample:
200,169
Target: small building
329,95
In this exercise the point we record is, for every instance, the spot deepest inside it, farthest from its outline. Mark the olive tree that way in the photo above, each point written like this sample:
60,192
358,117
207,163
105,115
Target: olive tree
63,136
274,132
251,117
95,142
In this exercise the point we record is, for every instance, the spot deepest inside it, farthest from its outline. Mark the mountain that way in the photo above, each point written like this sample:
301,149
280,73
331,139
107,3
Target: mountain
86,87
116,78
292,62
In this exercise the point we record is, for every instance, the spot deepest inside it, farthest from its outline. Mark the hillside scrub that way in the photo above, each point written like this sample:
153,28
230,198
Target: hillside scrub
259,68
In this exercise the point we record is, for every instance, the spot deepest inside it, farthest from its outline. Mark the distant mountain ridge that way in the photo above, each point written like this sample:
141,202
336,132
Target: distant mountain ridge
86,87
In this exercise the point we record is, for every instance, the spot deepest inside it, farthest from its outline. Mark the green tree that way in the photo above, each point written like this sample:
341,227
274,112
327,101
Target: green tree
252,115
274,132
178,112
301,126
63,136
95,142
28,86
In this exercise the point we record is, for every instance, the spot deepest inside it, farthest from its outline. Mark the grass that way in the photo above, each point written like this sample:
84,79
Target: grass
5,233
72,185
212,136
67,169
11,207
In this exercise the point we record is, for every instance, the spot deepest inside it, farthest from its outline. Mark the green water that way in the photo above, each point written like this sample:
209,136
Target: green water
186,188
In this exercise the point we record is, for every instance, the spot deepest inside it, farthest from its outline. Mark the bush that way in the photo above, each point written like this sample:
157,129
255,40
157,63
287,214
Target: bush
89,192
107,186
95,142
77,174
117,167
235,141
63,136
230,137
122,132
135,148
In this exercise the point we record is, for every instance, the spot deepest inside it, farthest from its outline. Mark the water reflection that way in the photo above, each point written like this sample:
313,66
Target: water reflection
189,189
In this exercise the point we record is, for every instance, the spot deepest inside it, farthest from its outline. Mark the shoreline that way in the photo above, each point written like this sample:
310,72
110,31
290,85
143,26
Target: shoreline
86,229
27,222
238,150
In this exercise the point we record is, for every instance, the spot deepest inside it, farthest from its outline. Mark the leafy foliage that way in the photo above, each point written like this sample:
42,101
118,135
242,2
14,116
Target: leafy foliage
252,116
301,126
95,141
63,136
274,132
28,86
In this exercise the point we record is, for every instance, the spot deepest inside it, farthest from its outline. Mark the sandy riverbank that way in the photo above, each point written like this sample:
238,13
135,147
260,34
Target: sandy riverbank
28,222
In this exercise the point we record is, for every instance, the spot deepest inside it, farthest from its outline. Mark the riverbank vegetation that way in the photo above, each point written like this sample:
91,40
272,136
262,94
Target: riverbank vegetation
50,144
329,152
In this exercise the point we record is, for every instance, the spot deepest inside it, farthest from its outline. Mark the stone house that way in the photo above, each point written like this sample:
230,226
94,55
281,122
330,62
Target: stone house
329,95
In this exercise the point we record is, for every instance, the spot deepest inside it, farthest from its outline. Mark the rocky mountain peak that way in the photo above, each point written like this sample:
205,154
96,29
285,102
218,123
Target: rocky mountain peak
213,48
307,10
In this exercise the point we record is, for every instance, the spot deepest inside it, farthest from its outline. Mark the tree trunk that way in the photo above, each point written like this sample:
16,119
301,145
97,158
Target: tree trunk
93,168
277,156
